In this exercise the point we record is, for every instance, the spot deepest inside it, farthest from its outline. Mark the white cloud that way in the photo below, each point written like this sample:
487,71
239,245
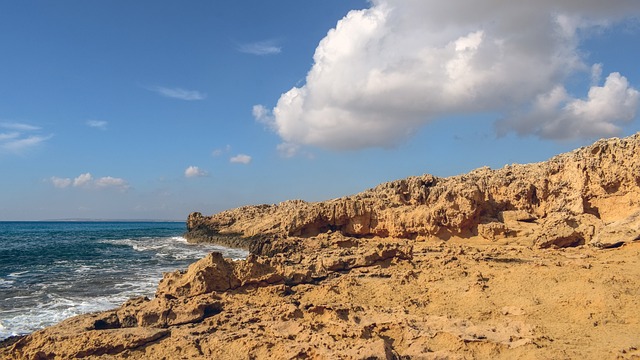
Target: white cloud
20,137
268,47
83,180
263,115
98,124
60,183
384,72
194,171
566,117
178,93
240,159
111,182
87,181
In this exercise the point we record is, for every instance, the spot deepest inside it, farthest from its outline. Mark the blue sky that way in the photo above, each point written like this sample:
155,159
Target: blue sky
154,109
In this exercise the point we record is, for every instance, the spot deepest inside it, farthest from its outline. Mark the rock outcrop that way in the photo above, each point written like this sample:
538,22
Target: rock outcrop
575,194
533,261
212,288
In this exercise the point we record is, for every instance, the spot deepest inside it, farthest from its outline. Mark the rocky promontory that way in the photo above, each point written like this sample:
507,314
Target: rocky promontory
582,196
536,261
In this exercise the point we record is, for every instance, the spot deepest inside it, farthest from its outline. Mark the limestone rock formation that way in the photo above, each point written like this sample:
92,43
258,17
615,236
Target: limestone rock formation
618,232
184,299
349,298
577,193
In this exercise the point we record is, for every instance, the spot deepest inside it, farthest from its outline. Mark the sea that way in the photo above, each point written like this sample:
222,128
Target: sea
50,271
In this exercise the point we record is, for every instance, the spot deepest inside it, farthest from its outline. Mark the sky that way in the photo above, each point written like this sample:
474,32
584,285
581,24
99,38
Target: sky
154,109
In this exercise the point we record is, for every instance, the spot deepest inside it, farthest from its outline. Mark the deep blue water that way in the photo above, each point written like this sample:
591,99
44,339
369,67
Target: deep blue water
52,270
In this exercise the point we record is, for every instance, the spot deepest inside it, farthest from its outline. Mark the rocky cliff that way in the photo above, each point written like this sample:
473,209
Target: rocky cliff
579,194
530,261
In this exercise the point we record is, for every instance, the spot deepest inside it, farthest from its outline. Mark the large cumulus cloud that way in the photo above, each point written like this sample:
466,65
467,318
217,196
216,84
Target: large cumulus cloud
385,71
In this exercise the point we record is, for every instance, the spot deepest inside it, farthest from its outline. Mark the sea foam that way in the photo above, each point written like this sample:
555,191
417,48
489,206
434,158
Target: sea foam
89,268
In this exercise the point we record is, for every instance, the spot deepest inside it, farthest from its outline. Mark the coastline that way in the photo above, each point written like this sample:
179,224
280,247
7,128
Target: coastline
51,271
528,261
378,298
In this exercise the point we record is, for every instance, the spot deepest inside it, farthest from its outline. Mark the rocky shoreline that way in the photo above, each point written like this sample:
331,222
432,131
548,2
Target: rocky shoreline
588,196
536,261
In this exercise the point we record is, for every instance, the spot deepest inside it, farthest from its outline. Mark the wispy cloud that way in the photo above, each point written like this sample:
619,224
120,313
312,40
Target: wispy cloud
596,74
194,171
240,159
9,136
60,183
23,144
20,137
267,47
216,152
18,126
263,115
87,181
287,149
111,182
220,151
98,124
178,93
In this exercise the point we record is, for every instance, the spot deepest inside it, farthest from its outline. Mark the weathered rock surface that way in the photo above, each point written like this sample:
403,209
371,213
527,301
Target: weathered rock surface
531,261
579,192
618,232
349,298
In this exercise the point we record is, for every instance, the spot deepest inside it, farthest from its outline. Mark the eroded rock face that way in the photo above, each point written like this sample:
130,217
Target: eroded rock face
618,232
598,184
217,274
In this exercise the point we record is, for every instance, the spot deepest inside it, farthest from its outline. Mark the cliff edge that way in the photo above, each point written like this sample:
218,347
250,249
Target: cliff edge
584,196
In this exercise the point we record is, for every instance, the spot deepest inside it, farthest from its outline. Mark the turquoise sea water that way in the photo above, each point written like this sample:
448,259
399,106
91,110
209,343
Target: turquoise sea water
53,270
